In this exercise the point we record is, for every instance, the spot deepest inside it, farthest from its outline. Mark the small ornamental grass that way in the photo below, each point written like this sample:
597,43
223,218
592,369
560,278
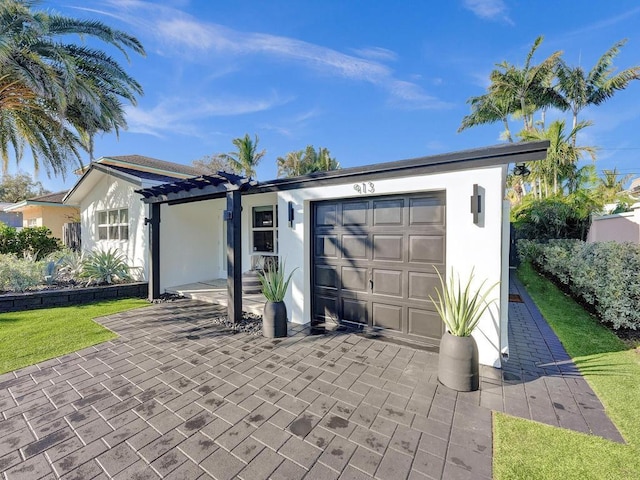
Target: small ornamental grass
108,266
274,283
459,307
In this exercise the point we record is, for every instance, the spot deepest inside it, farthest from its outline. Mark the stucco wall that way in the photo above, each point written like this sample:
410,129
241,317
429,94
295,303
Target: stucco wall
111,193
55,217
469,246
192,242
623,227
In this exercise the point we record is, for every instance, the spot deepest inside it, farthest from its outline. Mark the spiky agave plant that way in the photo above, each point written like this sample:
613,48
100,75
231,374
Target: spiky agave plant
108,266
459,307
274,283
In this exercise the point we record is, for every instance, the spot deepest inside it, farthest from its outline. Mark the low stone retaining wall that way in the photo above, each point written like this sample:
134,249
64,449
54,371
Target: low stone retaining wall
71,296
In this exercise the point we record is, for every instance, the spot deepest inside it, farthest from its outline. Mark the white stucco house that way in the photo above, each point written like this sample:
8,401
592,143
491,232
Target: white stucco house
111,213
365,241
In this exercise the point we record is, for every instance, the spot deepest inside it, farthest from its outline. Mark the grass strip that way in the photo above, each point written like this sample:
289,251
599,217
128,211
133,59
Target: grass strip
526,449
32,336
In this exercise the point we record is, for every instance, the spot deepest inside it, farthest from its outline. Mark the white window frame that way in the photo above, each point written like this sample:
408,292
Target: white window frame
32,222
113,221
270,228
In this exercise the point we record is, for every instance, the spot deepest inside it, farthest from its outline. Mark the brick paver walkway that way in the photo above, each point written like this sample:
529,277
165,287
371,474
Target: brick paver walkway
174,397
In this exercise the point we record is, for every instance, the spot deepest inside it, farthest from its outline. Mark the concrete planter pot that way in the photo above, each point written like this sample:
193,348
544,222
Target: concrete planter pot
458,363
274,320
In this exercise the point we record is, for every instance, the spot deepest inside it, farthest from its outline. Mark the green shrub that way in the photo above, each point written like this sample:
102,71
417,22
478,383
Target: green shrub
105,267
33,240
19,274
38,241
604,275
553,218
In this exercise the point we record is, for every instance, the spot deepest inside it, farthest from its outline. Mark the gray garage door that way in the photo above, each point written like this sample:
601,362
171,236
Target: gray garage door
374,262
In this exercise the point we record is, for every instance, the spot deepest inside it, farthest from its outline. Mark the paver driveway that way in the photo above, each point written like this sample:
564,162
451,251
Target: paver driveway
175,397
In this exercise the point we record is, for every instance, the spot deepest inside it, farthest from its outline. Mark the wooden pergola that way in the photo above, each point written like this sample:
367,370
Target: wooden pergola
204,187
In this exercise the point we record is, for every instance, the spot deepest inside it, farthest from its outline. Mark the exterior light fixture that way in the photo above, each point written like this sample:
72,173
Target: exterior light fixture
290,214
477,205
521,170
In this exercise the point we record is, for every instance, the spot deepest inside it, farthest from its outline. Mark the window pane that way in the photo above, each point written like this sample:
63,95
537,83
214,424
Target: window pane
113,232
113,217
102,218
124,216
102,233
263,216
124,232
263,241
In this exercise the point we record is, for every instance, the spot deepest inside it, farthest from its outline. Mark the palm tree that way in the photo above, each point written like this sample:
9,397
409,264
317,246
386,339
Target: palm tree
611,185
71,92
579,89
562,156
246,158
290,164
489,108
304,162
515,91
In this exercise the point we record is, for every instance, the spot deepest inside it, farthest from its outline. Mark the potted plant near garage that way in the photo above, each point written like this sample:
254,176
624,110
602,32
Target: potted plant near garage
460,308
274,288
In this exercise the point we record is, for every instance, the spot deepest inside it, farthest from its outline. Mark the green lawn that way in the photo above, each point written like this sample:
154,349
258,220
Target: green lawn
35,335
526,449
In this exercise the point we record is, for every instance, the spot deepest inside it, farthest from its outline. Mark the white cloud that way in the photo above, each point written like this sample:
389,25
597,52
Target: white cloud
376,53
184,36
180,115
495,10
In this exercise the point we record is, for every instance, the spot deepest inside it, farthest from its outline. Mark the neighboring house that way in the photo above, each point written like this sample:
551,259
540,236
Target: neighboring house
619,227
111,214
46,211
365,241
12,219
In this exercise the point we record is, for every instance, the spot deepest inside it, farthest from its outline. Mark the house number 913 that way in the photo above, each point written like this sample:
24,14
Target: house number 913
364,187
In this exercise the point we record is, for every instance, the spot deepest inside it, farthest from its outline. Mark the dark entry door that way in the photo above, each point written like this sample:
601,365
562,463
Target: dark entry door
374,262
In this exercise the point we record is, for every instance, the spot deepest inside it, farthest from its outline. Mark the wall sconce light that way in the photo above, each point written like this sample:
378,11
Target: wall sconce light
290,214
477,205
521,170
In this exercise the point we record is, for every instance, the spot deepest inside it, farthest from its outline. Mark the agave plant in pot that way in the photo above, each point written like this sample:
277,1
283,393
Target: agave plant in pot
460,308
274,288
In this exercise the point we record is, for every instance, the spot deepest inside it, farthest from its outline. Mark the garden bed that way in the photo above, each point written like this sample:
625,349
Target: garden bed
12,302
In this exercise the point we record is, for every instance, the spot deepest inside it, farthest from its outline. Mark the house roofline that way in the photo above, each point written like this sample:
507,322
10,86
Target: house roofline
443,163
104,169
33,203
447,162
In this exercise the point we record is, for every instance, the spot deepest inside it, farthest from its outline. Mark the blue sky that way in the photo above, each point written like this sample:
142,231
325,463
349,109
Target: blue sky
371,81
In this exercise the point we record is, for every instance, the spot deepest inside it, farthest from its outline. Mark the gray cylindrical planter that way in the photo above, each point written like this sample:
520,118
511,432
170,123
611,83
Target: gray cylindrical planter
274,320
458,364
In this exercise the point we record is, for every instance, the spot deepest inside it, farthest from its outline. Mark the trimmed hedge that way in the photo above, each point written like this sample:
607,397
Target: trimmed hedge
604,275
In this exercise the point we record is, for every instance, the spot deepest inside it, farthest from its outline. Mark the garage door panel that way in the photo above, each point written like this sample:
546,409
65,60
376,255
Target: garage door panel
421,285
374,261
354,246
387,316
354,279
426,211
355,213
326,277
325,309
388,212
424,323
326,215
426,249
388,248
354,311
387,282
326,246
